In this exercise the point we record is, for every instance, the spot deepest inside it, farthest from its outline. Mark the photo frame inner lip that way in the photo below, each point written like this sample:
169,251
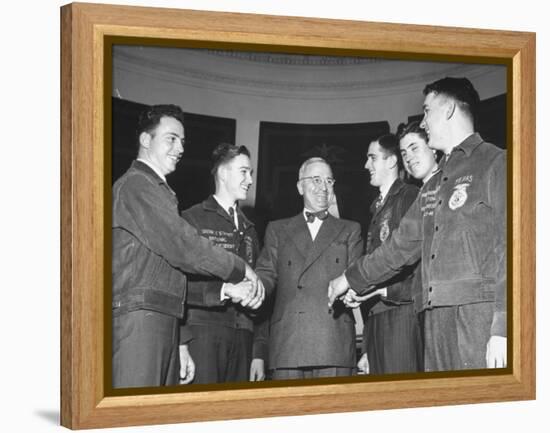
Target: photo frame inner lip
219,46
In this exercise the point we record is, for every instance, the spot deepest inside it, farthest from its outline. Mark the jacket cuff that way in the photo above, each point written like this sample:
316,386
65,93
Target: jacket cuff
212,297
498,327
356,280
259,350
237,275
395,294
185,334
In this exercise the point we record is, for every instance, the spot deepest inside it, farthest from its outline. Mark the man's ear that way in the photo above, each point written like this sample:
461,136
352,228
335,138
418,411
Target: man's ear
222,173
145,140
450,108
300,187
392,159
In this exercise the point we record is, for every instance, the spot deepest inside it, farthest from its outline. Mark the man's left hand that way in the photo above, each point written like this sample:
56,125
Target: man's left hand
497,352
255,299
187,368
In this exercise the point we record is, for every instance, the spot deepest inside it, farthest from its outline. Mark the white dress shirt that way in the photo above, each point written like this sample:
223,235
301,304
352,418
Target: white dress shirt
313,226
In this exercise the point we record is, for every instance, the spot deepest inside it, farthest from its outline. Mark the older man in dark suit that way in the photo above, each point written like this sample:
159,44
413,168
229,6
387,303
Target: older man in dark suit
300,256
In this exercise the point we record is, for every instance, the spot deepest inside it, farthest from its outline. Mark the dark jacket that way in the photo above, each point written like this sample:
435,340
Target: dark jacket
153,247
203,294
457,225
384,221
296,271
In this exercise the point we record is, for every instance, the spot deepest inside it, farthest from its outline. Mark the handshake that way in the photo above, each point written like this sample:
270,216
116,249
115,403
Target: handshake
250,292
339,288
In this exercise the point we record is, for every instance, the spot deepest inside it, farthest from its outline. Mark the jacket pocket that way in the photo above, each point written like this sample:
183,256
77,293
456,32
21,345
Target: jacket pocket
470,256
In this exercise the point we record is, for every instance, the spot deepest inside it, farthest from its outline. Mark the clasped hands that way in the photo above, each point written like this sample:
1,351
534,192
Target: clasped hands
339,288
250,292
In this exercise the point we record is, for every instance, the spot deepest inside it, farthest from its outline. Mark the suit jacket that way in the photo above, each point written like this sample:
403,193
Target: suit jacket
297,271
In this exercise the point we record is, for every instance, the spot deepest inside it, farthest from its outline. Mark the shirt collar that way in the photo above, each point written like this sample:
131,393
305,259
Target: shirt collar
224,205
152,167
212,204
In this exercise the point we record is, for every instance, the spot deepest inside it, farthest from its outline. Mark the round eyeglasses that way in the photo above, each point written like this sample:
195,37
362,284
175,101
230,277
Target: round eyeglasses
318,180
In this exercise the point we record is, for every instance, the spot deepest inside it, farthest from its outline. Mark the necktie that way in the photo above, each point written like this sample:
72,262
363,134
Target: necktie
322,214
378,201
232,215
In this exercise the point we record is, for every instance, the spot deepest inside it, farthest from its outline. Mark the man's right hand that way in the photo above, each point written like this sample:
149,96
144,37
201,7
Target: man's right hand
353,300
249,292
258,295
238,292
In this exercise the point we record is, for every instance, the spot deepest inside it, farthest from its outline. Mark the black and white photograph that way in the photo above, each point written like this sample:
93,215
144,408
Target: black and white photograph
220,216
281,216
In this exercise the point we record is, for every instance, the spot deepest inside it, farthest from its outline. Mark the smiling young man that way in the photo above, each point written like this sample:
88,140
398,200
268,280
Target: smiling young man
419,160
458,228
300,256
391,334
153,248
220,316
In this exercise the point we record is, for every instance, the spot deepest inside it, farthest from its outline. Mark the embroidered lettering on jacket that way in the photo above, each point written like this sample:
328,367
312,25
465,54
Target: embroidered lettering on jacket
220,238
460,193
464,179
249,250
428,201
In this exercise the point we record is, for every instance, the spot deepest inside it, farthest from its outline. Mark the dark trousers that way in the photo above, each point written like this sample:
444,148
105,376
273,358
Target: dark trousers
221,354
394,341
310,372
145,349
456,337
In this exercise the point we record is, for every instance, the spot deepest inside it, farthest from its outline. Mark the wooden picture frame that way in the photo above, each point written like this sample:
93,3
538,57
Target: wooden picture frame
85,213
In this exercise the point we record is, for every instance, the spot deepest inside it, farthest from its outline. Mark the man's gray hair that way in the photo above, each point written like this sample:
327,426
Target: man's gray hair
308,162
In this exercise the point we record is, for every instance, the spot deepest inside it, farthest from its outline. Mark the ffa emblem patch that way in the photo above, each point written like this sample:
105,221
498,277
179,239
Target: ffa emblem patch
459,196
384,230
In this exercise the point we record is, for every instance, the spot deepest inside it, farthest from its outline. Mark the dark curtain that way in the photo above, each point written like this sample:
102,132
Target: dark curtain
284,146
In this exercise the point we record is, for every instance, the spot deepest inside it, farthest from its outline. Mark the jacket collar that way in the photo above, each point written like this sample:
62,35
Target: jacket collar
469,144
395,189
211,205
141,166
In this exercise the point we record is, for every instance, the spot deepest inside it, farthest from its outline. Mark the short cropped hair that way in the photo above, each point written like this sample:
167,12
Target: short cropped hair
149,119
225,152
459,89
389,143
310,161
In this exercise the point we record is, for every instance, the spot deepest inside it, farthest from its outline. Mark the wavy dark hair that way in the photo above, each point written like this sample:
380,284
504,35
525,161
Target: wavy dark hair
225,152
411,128
149,118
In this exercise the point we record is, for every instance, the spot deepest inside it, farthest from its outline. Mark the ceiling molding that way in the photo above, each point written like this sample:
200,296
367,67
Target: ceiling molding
175,71
292,59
